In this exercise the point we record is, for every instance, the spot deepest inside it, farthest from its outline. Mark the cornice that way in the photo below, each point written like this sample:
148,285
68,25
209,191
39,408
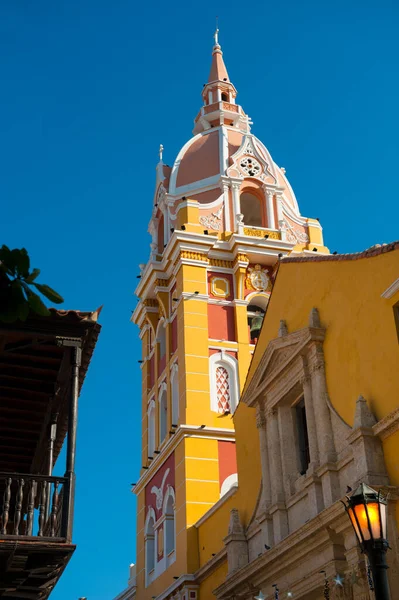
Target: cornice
213,564
216,507
290,551
183,579
391,290
183,431
292,346
388,425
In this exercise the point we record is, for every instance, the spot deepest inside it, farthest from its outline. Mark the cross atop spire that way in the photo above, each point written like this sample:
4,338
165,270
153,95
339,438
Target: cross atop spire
218,68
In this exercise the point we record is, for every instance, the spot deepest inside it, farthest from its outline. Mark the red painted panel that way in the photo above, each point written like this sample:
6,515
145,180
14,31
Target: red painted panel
158,485
221,322
227,460
174,334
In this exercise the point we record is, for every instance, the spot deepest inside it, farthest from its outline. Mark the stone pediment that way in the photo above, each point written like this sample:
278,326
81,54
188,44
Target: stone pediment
279,353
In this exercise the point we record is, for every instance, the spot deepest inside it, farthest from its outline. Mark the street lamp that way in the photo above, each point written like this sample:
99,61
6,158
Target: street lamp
367,510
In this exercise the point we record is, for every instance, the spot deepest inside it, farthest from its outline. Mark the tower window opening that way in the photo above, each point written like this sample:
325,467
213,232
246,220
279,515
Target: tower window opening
151,429
169,526
163,416
255,316
174,384
161,235
149,548
303,438
251,209
225,97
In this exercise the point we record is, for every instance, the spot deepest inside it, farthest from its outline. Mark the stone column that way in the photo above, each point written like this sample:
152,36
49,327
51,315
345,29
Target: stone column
325,436
280,216
264,457
277,510
327,471
310,422
289,461
271,221
226,203
236,202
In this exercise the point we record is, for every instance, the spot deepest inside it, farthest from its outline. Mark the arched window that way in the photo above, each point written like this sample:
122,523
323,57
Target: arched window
223,383
149,539
161,234
151,428
225,97
161,340
163,413
251,209
174,384
150,339
255,314
169,527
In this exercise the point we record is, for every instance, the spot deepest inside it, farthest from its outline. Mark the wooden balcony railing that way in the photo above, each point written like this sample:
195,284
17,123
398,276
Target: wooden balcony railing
34,506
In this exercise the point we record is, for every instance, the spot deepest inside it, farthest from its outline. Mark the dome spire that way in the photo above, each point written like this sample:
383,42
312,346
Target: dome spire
218,68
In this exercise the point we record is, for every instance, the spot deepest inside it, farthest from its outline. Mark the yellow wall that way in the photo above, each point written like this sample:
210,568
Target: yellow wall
361,346
362,357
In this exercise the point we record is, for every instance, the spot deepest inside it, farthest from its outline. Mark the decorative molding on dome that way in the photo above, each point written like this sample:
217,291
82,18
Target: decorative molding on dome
249,161
292,234
214,220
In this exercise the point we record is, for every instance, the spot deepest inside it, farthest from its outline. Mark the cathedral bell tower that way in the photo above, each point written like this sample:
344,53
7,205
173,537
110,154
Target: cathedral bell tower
222,216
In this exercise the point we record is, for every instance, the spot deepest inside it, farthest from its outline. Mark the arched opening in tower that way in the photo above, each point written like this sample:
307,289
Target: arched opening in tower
251,208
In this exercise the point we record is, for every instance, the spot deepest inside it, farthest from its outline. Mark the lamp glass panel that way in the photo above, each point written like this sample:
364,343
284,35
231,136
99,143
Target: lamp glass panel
383,509
361,514
355,527
374,517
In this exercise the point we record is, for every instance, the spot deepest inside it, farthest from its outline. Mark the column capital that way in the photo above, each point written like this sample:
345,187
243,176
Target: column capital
260,417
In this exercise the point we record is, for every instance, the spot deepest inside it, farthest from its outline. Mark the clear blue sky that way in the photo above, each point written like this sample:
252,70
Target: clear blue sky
89,89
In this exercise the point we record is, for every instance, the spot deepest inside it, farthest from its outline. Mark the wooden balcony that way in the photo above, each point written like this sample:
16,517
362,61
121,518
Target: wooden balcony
43,363
34,534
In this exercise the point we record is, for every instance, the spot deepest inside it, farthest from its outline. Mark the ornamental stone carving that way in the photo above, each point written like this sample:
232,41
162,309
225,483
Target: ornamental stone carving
257,279
212,221
194,256
262,233
250,166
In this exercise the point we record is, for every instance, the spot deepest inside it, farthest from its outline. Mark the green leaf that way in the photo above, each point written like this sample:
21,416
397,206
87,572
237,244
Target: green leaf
4,253
49,293
7,260
37,305
14,260
23,263
31,278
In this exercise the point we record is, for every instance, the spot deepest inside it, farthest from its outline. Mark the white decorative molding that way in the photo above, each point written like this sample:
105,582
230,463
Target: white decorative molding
222,359
293,235
216,506
213,221
230,482
158,491
391,290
